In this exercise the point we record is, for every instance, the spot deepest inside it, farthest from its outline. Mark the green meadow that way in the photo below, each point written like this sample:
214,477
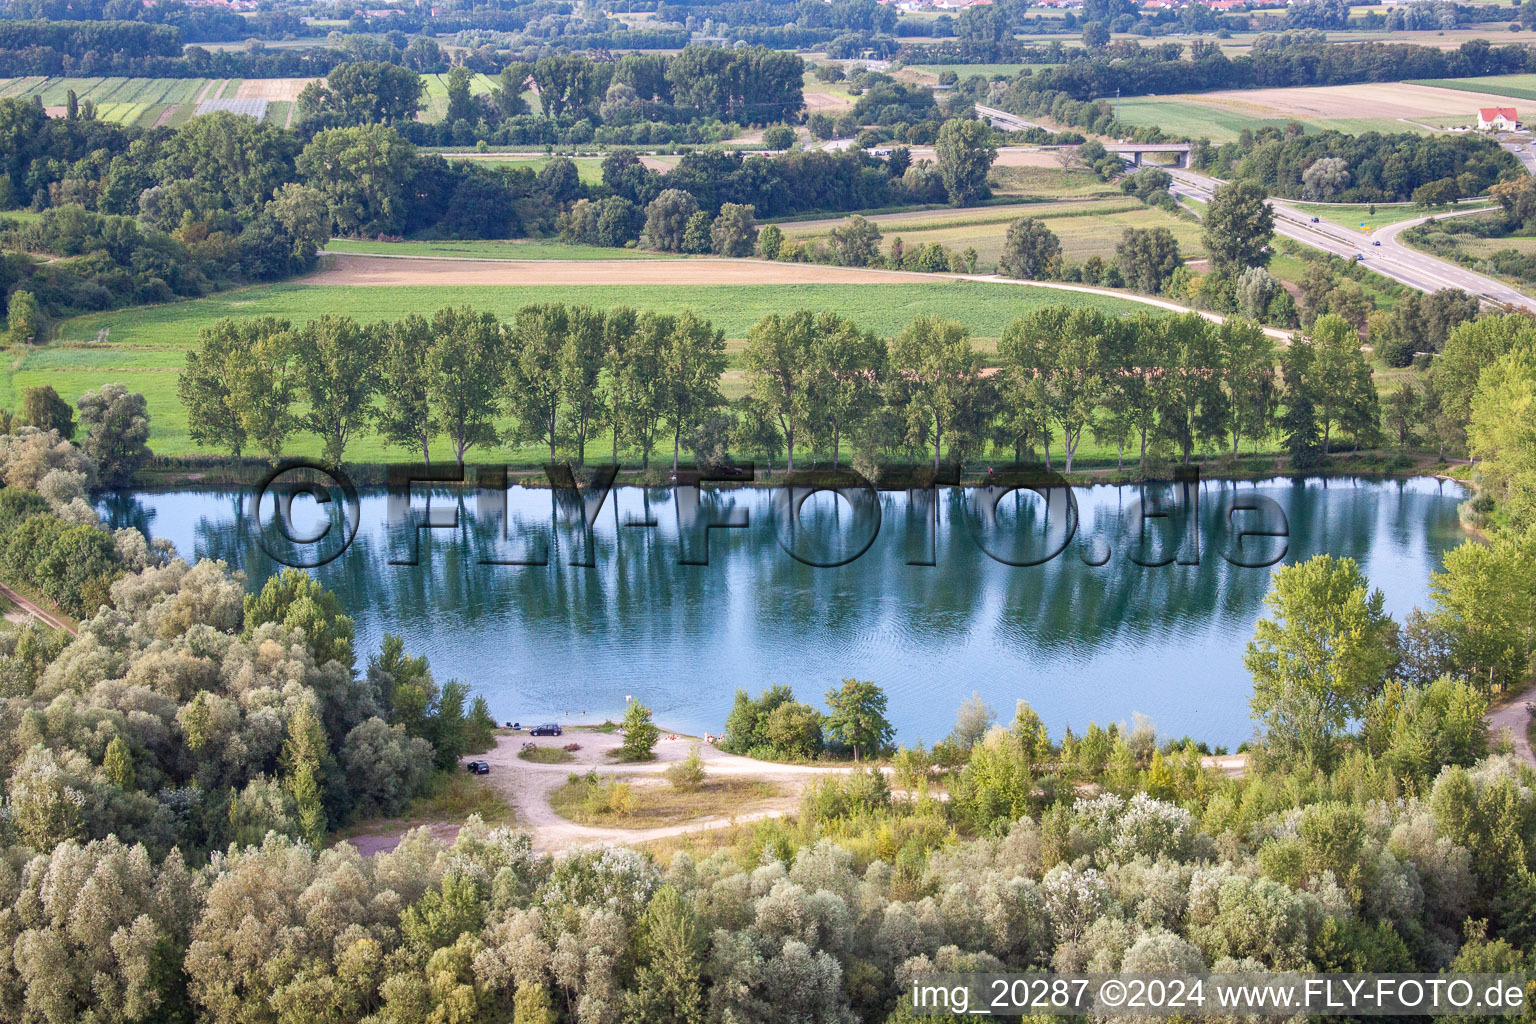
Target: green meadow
147,345
1523,86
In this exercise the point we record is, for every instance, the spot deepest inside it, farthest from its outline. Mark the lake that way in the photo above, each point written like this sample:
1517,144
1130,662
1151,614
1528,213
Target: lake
1088,635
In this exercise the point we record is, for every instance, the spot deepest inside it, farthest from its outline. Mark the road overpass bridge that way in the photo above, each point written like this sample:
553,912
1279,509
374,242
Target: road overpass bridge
1134,152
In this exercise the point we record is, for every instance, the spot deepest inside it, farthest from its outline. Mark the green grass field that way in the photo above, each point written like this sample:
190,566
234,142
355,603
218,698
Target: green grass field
588,168
435,93
1086,229
1049,183
147,347
508,249
1523,86
1352,216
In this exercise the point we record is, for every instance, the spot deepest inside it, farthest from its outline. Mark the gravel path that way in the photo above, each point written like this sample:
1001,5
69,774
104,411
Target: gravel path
1514,716
527,786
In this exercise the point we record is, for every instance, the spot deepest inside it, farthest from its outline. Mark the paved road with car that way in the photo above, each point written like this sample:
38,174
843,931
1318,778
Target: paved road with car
1390,258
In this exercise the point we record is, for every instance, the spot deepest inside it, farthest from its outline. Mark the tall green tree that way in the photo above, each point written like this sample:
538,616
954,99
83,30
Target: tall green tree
1030,249
338,364
302,754
857,718
25,322
691,365
1469,349
42,408
1193,409
855,242
847,367
363,173
965,151
1064,352
778,360
1247,360
206,385
733,233
1340,383
296,600
1485,608
938,372
262,380
667,989
1319,656
1501,434
1237,228
466,366
1148,257
534,383
640,733
582,359
406,415
117,426
363,93
637,383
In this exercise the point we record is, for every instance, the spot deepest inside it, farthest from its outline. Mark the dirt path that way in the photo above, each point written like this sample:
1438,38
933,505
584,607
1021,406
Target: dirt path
212,89
395,271
528,786
1514,717
47,618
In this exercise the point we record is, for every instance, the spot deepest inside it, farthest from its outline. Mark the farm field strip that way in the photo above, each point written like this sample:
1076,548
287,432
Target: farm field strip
1090,230
1522,86
150,101
1396,106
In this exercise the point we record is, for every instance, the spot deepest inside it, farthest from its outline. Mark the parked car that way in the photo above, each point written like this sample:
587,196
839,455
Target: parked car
547,729
478,768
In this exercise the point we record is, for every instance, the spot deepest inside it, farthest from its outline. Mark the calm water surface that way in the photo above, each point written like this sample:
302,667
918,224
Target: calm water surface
1079,641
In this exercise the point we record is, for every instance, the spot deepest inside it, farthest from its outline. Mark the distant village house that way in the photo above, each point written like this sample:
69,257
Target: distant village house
1497,119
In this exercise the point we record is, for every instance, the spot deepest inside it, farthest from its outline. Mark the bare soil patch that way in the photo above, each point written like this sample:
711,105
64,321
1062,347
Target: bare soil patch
825,101
393,272
272,88
1375,99
1007,156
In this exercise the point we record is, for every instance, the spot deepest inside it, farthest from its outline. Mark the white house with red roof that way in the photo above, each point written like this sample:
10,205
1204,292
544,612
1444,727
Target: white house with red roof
1497,119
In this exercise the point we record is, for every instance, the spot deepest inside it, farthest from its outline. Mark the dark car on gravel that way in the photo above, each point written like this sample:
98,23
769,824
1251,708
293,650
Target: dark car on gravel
547,729
478,768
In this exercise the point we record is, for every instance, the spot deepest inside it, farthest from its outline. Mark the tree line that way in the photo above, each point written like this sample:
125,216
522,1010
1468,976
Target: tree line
1366,168
227,198
571,379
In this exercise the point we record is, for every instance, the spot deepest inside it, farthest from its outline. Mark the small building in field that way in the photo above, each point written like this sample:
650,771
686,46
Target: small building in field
1497,119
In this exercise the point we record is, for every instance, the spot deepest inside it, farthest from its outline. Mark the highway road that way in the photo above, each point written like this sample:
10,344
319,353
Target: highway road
1390,258
1524,152
1006,121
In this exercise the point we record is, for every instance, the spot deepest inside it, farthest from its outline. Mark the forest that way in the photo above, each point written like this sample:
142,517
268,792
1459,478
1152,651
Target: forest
227,198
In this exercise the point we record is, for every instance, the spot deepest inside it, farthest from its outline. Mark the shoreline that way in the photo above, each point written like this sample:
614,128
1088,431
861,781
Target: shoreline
211,473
